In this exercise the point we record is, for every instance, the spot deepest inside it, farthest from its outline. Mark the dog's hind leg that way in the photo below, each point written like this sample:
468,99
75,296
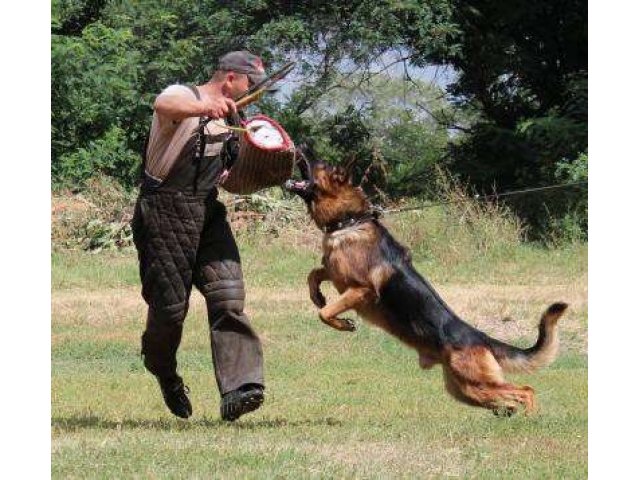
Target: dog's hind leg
349,299
473,376
427,361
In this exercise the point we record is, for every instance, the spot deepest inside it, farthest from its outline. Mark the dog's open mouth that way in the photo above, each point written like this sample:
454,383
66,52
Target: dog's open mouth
304,186
300,187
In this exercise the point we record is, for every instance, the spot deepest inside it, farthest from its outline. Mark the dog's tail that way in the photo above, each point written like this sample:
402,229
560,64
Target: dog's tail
543,353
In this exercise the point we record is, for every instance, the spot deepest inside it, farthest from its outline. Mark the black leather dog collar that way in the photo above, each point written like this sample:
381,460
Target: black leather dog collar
350,221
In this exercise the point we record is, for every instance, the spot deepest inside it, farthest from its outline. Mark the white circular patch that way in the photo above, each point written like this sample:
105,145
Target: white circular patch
264,134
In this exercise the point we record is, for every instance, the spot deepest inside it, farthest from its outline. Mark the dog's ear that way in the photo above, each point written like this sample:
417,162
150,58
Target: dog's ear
351,163
305,149
304,158
300,155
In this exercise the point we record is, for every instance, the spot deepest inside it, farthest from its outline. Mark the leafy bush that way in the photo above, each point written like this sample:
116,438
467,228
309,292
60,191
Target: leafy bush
100,235
94,93
107,155
96,219
573,226
576,171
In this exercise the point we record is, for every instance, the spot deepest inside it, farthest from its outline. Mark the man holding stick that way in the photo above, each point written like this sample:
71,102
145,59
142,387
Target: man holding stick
183,239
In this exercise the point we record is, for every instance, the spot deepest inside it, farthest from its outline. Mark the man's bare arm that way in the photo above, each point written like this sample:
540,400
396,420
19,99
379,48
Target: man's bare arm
177,107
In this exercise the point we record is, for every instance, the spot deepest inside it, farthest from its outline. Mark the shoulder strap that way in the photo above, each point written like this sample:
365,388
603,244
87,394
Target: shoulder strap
194,90
198,153
144,156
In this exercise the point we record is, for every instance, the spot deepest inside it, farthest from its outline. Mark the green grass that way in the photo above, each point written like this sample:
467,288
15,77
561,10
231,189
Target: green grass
338,405
277,264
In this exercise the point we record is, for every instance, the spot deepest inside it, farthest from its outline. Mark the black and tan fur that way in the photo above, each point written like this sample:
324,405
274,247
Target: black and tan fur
375,277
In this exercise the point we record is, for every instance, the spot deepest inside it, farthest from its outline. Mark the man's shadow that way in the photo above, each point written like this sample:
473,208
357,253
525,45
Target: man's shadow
81,422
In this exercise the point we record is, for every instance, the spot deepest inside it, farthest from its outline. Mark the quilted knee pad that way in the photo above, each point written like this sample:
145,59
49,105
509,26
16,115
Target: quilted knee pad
224,295
170,314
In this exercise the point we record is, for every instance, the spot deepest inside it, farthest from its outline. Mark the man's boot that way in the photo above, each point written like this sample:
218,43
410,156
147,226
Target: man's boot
243,400
174,393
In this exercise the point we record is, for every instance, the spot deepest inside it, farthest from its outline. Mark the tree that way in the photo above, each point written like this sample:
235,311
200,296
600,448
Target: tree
523,67
110,58
519,104
394,129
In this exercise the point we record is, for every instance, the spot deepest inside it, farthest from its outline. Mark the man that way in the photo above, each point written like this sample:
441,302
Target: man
183,239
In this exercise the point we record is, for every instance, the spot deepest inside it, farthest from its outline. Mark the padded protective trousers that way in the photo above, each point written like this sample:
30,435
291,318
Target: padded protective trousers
184,240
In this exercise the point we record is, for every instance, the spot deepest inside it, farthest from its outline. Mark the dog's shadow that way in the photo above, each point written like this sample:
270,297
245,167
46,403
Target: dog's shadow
81,422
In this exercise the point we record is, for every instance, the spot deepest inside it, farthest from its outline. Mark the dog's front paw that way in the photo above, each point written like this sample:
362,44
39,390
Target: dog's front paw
504,411
347,325
318,299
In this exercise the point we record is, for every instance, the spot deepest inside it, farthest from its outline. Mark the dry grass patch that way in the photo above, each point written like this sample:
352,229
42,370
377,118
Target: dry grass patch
393,458
99,308
513,312
507,312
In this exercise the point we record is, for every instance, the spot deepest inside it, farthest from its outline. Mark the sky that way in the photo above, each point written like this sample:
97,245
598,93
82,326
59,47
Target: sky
440,75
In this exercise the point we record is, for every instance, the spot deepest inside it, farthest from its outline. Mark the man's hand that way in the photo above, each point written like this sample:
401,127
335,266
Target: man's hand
217,107
177,107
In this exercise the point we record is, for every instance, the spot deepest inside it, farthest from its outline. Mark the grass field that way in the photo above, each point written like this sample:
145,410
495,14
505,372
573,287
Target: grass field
338,405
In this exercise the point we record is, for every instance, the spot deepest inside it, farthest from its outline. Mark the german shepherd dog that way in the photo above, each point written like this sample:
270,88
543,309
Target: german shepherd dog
374,276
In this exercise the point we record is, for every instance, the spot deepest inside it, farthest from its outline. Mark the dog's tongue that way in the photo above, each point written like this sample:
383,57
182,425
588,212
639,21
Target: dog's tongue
293,184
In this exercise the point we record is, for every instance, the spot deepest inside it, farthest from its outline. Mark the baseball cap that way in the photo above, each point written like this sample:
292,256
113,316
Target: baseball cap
243,62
